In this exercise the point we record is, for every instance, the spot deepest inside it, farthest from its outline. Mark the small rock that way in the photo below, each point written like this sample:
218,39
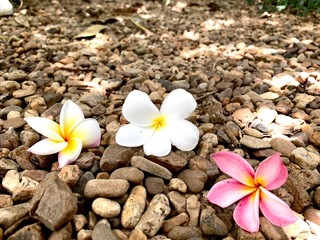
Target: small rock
154,185
283,146
312,215
131,174
178,201
22,157
64,233
271,231
266,114
150,167
297,230
243,115
307,178
5,200
85,160
11,215
7,165
17,75
134,207
106,188
79,222
244,235
152,219
33,231
70,174
102,231
176,184
11,181
305,159
194,179
106,208
84,235
137,234
172,161
8,140
254,143
211,224
80,185
193,210
52,194
177,220
29,138
184,233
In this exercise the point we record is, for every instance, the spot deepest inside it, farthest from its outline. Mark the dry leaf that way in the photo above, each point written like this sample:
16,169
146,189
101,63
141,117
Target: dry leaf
91,31
22,20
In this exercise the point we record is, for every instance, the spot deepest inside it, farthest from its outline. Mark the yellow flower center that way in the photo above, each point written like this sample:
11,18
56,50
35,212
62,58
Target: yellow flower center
159,122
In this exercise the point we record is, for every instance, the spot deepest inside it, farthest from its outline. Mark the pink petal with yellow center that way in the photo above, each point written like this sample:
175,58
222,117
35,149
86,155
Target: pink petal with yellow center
46,127
246,213
88,131
47,147
227,192
70,153
275,210
235,166
70,115
271,173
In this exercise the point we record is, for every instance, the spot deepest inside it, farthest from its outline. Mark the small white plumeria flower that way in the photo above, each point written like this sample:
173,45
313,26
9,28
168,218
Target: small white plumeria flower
157,130
74,133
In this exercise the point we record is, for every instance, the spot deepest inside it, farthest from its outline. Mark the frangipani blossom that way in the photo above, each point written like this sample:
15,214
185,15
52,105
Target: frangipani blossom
252,189
74,133
157,129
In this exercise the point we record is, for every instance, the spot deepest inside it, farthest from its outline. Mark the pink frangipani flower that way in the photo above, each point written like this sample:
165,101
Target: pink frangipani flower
252,189
69,137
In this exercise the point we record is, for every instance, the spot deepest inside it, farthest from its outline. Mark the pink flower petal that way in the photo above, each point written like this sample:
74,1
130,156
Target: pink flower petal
88,131
275,210
227,192
271,173
47,147
46,127
246,213
70,115
235,166
70,153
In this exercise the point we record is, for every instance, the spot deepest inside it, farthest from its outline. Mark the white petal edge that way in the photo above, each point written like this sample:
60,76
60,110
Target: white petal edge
130,135
183,134
70,115
47,147
178,104
70,153
138,109
158,145
88,131
46,127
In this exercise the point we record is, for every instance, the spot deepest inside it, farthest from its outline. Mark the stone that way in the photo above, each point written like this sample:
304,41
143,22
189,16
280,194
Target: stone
84,234
177,220
244,235
254,143
80,185
52,194
243,115
193,210
307,178
316,197
22,157
154,185
271,231
297,230
131,174
137,234
11,181
37,174
283,146
28,138
150,167
106,208
312,215
152,219
184,233
178,201
17,75
12,214
33,231
266,114
7,165
23,193
305,159
8,140
252,132
176,184
79,222
115,156
172,161
64,233
5,200
194,179
211,224
85,160
16,122
70,174
134,207
102,231
106,188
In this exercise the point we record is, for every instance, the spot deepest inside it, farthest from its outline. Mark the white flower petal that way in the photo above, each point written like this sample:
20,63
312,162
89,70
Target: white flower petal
70,153
131,135
183,134
70,115
88,131
158,145
47,147
178,104
138,109
46,127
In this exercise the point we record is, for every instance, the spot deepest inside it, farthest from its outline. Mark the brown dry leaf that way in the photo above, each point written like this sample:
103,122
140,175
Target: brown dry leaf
136,21
91,31
22,20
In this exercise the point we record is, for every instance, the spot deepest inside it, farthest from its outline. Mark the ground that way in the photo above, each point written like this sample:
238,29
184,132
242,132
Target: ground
255,77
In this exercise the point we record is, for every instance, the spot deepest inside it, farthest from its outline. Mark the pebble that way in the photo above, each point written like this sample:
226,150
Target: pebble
297,230
150,167
178,201
34,231
312,215
134,207
11,181
64,233
7,165
106,188
308,178
85,160
152,219
22,157
193,210
172,161
16,122
305,159
154,185
12,214
194,179
211,224
131,174
254,143
102,231
84,234
184,233
137,234
244,235
177,220
176,184
79,222
70,174
9,140
52,194
5,200
106,208
16,75
283,146
271,231
29,138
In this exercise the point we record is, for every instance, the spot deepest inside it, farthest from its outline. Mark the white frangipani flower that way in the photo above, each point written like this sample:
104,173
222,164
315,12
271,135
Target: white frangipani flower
157,130
74,133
